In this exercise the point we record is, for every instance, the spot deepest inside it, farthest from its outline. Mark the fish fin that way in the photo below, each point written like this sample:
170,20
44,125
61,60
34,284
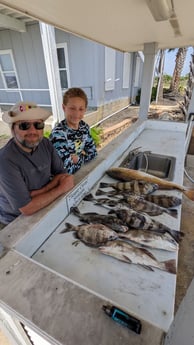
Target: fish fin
172,212
100,192
75,243
147,252
127,259
170,266
104,185
88,197
75,210
111,212
68,228
189,193
149,268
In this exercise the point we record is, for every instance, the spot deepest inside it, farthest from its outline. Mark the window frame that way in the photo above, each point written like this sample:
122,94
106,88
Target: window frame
64,46
9,52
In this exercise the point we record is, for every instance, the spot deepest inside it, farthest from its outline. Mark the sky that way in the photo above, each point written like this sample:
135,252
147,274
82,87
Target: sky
170,62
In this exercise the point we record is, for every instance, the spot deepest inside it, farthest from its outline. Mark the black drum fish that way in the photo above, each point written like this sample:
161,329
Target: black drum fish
163,200
136,187
92,234
142,221
111,221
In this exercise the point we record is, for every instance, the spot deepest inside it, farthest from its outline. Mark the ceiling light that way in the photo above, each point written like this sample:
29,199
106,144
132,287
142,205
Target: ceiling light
160,9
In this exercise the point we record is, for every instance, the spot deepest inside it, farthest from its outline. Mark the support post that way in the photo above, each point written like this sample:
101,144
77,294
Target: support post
150,50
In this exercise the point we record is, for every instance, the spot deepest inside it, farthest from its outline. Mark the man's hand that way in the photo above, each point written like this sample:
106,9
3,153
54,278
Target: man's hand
74,158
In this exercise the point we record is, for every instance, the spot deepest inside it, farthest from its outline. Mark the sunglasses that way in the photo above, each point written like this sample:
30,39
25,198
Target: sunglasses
24,126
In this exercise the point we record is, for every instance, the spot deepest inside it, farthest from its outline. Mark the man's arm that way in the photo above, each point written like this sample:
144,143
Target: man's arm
52,184
61,184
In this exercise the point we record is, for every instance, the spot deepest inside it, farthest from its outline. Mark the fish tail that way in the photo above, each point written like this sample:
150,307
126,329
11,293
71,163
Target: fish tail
170,266
68,228
189,193
177,235
104,185
88,197
172,212
75,210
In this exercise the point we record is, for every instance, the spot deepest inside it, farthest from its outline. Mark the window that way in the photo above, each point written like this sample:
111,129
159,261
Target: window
110,60
8,70
63,65
137,72
126,69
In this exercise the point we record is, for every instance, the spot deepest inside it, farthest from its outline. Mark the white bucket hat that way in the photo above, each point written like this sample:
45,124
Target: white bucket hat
25,111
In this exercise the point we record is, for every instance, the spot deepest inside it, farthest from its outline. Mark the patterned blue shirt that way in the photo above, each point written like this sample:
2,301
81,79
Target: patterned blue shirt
68,141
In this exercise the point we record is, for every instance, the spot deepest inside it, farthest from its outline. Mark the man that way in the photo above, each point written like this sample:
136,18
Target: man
31,173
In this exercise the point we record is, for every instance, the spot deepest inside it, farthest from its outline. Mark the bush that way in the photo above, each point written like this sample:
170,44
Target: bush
153,95
47,134
96,134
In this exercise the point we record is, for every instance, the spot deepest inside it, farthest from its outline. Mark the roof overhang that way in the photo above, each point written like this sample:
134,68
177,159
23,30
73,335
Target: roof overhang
123,25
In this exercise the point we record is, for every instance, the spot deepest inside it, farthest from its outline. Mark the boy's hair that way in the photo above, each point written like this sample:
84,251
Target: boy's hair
75,92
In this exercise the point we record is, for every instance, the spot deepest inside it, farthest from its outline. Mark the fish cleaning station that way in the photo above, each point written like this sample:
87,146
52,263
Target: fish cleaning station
53,283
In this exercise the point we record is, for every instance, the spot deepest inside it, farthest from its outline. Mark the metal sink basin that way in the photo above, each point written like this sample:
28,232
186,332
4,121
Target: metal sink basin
152,163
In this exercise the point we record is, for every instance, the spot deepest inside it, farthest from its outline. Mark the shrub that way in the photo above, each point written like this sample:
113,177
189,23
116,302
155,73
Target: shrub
96,134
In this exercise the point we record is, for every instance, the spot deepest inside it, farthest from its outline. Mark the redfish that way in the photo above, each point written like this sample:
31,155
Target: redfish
125,174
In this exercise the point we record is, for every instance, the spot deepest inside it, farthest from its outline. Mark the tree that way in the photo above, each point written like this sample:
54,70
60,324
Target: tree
160,72
179,64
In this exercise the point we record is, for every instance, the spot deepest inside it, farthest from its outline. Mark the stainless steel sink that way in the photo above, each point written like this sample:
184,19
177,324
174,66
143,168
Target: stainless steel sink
152,163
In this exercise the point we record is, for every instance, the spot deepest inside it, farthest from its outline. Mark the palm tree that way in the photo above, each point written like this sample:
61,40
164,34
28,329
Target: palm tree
179,64
160,72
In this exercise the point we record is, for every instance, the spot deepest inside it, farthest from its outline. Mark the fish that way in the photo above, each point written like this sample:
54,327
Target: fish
151,239
139,204
139,256
133,201
142,221
92,217
105,202
163,200
91,234
136,187
125,174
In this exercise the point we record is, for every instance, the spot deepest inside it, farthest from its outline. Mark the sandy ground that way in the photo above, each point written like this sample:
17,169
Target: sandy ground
186,251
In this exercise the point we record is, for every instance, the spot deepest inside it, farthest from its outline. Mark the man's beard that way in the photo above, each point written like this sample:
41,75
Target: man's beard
29,145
